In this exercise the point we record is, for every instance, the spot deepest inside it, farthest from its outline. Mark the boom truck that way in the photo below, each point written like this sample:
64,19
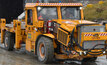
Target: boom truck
56,31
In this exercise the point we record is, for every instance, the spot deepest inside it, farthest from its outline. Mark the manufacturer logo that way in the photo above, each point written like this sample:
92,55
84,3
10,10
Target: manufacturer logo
96,36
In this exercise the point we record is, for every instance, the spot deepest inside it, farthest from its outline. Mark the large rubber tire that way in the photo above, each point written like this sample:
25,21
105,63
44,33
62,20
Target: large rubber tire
89,59
45,50
9,41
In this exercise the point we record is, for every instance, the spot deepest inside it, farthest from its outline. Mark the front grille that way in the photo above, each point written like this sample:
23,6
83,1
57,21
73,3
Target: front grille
62,36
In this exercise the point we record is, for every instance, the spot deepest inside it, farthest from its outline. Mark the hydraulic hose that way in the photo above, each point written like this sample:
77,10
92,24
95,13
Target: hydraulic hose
72,38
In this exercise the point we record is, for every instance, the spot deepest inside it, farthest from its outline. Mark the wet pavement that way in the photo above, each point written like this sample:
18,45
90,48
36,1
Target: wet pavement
21,58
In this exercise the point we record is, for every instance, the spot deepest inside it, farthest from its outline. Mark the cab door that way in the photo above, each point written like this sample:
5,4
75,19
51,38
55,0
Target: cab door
29,29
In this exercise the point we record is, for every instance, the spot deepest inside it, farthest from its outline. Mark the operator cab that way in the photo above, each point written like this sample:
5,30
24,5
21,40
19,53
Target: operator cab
54,11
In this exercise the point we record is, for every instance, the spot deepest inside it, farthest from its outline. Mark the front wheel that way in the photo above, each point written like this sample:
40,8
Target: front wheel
45,50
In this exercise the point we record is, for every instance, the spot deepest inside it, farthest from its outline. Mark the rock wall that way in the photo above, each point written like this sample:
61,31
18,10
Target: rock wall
10,9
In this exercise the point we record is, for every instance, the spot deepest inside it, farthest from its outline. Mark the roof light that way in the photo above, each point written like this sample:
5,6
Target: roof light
104,52
80,8
39,8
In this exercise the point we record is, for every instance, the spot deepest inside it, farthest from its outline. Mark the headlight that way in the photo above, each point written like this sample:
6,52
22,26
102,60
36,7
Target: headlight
104,52
85,52
80,53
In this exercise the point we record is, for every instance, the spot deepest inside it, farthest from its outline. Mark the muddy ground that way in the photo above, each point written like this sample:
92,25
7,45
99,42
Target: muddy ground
21,58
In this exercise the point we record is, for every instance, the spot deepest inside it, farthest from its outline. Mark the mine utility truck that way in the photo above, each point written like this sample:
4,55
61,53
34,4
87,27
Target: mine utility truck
56,31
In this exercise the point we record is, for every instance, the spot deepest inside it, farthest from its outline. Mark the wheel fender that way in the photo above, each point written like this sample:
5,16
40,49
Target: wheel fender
49,35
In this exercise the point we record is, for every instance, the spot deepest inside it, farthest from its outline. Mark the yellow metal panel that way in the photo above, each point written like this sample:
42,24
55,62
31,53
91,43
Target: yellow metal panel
59,13
106,27
3,24
18,36
28,45
40,24
26,18
91,36
50,35
68,27
82,15
35,20
2,36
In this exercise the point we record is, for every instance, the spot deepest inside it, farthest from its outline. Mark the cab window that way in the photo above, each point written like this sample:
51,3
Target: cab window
47,13
29,17
71,13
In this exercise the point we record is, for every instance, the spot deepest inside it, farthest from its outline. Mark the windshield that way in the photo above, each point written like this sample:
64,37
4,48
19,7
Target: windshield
71,13
47,13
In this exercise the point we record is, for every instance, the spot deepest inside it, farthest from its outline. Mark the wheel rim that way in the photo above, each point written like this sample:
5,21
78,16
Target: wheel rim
42,50
6,41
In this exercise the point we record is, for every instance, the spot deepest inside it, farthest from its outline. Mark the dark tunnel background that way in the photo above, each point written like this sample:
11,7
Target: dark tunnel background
11,9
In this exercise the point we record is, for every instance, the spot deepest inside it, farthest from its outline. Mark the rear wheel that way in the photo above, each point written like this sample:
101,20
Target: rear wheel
9,41
89,59
45,50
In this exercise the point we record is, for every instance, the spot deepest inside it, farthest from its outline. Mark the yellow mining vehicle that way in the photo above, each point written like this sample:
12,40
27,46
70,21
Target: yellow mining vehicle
56,31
